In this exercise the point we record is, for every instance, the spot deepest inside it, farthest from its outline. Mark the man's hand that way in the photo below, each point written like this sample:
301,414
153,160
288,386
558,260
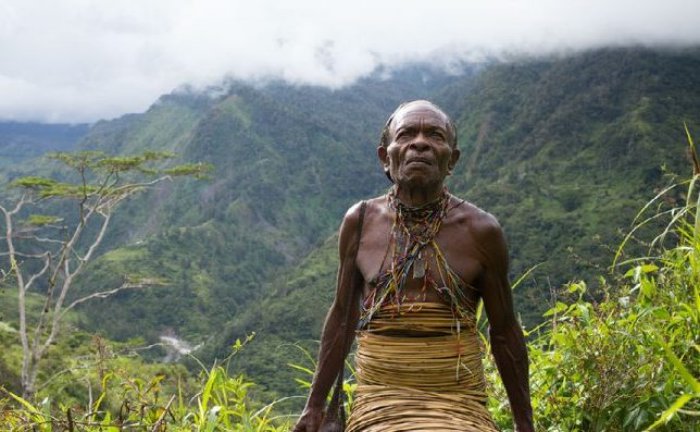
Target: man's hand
309,421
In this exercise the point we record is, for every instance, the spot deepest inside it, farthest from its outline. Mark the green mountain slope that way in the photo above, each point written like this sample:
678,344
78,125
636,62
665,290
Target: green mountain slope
288,162
562,152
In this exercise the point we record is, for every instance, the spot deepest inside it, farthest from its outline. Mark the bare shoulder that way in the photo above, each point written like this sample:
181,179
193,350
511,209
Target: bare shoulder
373,207
484,230
351,220
352,216
480,223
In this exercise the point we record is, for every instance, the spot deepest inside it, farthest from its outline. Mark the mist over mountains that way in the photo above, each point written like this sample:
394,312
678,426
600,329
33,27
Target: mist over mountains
563,151
76,62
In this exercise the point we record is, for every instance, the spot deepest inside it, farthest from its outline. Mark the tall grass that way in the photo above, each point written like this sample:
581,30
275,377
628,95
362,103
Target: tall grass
222,403
627,358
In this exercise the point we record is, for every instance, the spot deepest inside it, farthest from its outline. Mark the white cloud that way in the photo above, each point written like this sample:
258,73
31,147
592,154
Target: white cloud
81,60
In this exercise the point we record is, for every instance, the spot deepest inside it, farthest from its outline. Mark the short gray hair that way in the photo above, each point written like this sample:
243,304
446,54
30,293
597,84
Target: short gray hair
385,139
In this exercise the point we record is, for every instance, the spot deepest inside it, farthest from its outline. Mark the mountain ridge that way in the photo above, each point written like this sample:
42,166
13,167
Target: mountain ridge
563,151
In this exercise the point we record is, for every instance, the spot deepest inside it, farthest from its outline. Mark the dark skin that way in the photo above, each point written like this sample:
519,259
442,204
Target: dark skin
419,154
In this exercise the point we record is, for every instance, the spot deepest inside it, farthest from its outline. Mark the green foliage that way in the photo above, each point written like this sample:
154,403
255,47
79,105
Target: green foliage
538,152
628,361
33,182
288,319
130,394
561,151
100,174
563,171
38,249
39,220
198,170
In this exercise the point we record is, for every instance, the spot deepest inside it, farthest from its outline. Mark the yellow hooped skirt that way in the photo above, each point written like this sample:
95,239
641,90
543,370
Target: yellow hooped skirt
418,370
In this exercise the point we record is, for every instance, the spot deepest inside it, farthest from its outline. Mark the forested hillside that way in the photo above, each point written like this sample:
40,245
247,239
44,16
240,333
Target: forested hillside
287,163
563,151
20,142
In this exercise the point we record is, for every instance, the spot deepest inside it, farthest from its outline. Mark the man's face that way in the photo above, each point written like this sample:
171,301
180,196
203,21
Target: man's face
420,151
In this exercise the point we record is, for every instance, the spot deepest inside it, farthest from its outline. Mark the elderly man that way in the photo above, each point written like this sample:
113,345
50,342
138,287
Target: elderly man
414,264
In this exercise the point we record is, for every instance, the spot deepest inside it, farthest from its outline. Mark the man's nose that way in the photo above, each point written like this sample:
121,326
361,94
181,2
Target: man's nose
419,143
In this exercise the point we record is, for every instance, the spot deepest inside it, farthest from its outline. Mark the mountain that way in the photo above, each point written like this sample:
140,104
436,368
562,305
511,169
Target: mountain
20,142
288,162
566,151
562,150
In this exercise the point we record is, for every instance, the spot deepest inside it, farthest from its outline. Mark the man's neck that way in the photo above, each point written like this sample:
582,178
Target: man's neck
418,197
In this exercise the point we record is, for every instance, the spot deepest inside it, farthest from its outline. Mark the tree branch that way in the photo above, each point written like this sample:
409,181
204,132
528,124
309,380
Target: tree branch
21,306
35,276
144,283
22,201
69,245
23,255
42,239
58,310
106,184
99,189
91,250
126,190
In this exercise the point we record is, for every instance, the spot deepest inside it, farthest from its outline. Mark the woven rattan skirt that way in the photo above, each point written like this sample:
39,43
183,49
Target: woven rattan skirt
418,370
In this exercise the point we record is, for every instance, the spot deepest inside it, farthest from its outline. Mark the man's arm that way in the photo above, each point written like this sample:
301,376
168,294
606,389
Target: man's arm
505,334
339,328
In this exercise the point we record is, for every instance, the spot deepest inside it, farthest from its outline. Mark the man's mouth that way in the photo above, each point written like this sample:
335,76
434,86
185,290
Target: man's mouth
419,161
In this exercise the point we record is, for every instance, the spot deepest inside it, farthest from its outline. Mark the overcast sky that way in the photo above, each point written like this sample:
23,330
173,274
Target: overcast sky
82,60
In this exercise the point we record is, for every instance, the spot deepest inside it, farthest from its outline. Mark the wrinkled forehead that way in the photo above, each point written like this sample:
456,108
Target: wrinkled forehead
420,113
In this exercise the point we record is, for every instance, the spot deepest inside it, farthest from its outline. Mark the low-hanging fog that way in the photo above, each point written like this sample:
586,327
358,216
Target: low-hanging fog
81,60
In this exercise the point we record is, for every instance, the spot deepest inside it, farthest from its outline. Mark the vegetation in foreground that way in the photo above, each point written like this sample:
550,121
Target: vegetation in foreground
627,360
53,249
124,393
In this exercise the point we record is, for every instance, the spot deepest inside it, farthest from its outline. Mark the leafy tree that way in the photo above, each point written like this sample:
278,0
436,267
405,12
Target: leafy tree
53,250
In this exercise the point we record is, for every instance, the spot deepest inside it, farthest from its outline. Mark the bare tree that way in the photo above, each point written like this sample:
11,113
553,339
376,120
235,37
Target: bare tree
53,251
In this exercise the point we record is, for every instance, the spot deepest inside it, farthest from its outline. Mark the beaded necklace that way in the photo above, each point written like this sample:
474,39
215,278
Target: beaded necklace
413,253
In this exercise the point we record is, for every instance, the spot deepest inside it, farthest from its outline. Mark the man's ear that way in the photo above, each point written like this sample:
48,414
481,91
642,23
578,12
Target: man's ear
453,159
383,157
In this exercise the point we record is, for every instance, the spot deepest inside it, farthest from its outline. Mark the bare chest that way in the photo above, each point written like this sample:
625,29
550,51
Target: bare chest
453,248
